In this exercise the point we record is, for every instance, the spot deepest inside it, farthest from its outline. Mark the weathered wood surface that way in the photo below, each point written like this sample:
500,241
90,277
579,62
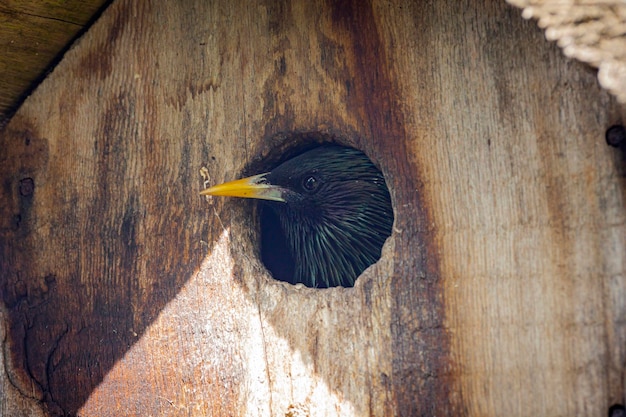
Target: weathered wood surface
32,34
591,31
500,292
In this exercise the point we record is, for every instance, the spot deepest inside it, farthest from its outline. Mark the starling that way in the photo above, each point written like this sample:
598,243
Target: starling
324,215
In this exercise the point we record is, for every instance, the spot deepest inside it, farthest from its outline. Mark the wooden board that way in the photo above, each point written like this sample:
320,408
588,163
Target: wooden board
500,292
592,32
32,35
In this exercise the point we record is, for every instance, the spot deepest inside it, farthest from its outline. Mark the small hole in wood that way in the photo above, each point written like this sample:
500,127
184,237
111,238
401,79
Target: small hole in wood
616,136
331,216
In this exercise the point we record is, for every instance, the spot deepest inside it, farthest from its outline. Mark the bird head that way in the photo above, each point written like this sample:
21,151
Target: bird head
333,214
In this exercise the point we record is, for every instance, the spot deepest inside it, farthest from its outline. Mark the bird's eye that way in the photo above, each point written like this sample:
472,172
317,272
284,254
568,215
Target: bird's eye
310,183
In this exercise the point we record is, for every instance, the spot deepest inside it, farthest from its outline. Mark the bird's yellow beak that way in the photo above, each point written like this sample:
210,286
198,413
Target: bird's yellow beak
251,187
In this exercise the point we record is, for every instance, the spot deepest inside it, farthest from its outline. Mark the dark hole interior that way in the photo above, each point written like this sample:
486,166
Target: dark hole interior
617,410
334,222
616,136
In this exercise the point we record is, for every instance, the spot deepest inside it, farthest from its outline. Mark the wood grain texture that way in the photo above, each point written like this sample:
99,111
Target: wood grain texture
32,34
590,31
500,292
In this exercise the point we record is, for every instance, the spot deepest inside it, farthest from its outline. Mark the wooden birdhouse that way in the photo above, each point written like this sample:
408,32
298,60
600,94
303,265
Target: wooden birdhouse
500,292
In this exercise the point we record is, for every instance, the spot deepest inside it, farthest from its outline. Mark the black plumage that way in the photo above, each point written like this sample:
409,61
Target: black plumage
324,217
